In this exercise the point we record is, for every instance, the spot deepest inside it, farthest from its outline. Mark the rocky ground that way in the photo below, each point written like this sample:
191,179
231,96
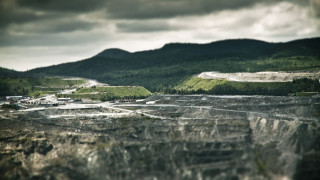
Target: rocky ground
260,76
174,137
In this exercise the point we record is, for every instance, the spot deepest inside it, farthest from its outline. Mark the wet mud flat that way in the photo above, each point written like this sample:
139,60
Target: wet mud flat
174,137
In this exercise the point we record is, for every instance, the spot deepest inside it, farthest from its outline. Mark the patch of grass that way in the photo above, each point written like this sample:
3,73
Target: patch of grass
196,85
109,93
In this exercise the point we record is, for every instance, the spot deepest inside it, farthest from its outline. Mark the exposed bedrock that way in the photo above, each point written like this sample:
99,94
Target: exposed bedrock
177,137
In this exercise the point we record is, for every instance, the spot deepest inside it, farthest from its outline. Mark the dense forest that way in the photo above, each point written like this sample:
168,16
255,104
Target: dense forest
173,63
9,73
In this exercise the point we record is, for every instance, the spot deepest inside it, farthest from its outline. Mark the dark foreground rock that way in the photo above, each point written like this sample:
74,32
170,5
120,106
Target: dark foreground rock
174,137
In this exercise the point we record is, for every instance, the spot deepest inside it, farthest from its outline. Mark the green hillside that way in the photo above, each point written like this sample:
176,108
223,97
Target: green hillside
4,72
165,67
109,93
196,85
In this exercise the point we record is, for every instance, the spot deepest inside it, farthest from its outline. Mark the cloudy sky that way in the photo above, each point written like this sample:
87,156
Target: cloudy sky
36,33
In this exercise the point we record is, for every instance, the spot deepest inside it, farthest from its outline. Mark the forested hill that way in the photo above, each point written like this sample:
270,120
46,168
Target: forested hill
113,53
4,72
164,67
9,73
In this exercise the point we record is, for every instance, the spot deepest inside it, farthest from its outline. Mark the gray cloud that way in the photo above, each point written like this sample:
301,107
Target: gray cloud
51,40
145,26
315,7
142,24
24,11
148,9
9,13
62,5
145,9
47,26
18,19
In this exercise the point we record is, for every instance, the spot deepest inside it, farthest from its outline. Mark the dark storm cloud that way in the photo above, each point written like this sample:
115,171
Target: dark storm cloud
53,25
27,17
18,19
7,18
21,20
62,5
144,9
148,9
9,14
23,11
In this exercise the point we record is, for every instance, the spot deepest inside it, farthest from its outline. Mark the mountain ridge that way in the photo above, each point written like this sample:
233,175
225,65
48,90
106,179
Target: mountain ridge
174,62
113,53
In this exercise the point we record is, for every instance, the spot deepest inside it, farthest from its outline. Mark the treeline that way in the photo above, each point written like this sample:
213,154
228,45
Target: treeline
155,74
251,88
35,86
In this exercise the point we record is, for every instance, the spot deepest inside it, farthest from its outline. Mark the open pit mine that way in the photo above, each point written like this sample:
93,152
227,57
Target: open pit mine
165,137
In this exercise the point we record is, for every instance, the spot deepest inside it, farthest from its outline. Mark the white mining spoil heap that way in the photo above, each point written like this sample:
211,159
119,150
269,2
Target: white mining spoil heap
260,76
